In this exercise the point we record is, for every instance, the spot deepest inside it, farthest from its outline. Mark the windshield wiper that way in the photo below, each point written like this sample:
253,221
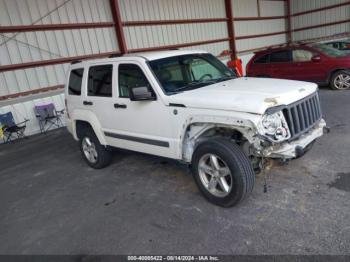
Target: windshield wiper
194,84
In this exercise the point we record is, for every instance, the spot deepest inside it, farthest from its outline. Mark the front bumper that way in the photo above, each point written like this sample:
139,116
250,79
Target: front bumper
296,148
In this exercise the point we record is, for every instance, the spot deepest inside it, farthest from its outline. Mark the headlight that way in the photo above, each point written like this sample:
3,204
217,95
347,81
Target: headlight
274,127
271,122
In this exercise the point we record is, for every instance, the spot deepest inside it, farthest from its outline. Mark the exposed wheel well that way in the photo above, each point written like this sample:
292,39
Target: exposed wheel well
196,134
81,126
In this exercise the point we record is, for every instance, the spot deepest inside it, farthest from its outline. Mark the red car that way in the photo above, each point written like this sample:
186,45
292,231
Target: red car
314,63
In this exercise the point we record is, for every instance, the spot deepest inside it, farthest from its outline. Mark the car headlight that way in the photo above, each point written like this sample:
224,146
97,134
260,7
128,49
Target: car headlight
274,127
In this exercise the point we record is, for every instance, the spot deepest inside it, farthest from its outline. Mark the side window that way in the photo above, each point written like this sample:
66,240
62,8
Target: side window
100,81
280,57
344,46
262,60
131,75
301,55
75,79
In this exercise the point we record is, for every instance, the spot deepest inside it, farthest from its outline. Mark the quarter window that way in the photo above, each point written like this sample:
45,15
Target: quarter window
75,80
280,57
131,76
100,81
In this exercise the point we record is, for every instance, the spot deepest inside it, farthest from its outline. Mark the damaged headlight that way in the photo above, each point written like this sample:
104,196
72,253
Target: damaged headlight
274,127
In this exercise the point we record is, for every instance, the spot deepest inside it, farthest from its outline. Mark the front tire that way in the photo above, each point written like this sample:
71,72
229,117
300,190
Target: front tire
340,80
222,172
96,155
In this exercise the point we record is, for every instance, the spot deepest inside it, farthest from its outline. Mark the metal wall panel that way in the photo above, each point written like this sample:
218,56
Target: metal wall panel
160,35
246,8
144,10
43,45
262,8
261,42
321,17
305,5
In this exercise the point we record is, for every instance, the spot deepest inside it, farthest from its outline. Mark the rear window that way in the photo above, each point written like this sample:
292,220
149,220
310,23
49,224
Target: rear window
262,60
280,57
75,80
100,81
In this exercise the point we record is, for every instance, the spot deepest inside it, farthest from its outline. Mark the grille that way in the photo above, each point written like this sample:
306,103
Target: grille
303,115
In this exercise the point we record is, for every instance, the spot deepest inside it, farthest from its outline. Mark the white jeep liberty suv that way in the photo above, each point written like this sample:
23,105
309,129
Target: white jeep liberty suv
188,105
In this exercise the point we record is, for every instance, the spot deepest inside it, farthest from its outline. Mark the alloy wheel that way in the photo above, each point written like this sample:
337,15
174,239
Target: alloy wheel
215,175
89,150
342,81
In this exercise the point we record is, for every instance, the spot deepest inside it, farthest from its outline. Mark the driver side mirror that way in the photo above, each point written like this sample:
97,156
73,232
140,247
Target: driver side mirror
141,93
316,58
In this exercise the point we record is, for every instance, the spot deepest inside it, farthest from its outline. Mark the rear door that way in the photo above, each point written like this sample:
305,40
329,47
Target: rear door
305,69
74,89
281,64
99,92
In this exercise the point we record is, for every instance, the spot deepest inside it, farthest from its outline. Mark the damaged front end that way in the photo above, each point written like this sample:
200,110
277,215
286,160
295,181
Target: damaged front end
288,131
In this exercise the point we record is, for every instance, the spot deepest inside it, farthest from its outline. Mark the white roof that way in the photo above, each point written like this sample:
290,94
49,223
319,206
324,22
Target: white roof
154,55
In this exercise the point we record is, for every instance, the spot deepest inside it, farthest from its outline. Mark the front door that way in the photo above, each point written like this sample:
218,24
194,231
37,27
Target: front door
280,64
143,126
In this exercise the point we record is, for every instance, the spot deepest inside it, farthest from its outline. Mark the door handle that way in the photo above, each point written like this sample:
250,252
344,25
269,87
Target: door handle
87,103
120,106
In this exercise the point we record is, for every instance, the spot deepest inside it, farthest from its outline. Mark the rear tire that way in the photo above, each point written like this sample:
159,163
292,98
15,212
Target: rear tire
96,155
227,180
340,80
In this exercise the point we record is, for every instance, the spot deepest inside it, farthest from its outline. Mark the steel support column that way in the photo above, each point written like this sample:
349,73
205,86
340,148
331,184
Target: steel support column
118,26
289,22
230,29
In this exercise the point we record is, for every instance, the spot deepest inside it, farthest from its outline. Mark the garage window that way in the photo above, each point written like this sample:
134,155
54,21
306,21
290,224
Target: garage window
100,81
75,79
280,57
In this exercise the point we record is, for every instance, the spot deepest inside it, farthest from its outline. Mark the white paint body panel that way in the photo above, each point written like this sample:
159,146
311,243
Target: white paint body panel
251,95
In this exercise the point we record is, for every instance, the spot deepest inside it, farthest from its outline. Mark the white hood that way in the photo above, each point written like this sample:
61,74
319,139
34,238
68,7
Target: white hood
251,95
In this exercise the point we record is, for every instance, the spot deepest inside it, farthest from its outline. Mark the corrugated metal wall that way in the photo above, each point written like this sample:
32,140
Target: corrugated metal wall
160,35
261,8
25,47
35,46
321,17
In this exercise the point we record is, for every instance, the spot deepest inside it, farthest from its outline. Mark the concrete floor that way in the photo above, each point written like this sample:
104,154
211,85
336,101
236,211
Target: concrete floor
53,203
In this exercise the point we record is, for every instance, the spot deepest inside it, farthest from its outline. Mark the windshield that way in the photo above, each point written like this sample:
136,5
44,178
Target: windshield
330,51
187,72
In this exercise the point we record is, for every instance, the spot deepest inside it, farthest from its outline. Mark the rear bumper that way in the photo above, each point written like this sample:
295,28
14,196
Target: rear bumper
297,147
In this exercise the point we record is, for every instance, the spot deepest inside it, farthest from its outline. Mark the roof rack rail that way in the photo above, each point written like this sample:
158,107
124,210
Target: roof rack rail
75,62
